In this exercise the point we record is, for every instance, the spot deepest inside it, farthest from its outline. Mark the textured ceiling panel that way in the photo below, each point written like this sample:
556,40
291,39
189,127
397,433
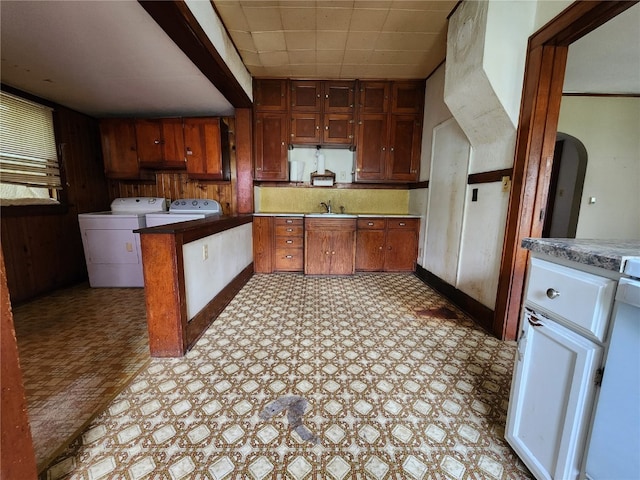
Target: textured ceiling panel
338,38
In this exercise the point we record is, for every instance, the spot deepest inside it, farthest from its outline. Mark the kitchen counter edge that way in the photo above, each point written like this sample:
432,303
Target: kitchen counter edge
608,254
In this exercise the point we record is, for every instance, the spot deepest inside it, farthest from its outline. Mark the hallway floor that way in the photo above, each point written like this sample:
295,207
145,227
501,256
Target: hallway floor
370,376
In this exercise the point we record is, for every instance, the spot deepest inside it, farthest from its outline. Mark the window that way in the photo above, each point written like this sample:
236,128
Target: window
29,169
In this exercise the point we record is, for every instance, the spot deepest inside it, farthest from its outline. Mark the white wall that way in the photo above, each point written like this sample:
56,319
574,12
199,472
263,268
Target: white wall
212,26
482,88
609,128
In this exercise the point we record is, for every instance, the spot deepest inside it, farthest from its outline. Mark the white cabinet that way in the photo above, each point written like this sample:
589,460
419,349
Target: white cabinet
552,397
561,347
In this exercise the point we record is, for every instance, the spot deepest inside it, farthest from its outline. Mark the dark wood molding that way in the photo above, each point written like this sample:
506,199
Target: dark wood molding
415,186
244,159
205,317
480,313
489,177
608,95
175,18
537,129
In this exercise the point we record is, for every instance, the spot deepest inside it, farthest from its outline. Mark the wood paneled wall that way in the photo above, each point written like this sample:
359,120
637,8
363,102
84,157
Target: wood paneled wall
175,185
44,251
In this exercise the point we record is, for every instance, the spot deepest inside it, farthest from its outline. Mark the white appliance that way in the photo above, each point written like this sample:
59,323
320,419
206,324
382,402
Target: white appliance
615,438
111,249
184,210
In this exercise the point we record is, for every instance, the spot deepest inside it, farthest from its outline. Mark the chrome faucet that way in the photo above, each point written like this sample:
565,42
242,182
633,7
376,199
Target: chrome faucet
327,206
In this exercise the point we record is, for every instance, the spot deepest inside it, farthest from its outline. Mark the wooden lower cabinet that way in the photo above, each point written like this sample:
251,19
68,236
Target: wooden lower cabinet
387,244
329,246
263,241
289,236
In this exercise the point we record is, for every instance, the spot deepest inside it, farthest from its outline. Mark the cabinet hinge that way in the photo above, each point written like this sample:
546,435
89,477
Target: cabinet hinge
598,377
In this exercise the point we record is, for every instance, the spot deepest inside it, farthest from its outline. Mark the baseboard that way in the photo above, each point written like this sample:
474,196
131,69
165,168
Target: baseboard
205,317
480,313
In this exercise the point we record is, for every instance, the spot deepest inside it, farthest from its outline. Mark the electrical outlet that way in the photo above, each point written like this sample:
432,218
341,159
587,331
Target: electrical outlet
205,252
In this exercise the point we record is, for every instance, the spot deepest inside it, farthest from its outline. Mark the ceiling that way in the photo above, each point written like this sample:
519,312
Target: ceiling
110,58
338,39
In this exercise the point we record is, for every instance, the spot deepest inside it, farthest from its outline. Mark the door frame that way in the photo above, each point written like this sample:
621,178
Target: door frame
537,127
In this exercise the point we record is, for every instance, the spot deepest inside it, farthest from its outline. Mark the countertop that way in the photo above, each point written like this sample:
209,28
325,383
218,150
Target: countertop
363,215
608,254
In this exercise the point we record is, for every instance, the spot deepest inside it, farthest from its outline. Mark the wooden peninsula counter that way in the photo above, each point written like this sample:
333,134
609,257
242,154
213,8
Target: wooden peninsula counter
192,270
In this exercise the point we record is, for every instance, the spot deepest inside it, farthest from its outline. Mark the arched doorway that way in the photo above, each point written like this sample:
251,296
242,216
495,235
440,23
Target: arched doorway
565,187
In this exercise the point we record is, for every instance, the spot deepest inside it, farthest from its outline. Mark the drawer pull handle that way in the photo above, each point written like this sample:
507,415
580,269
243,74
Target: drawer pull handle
288,256
370,224
289,241
402,224
552,293
289,229
289,221
534,323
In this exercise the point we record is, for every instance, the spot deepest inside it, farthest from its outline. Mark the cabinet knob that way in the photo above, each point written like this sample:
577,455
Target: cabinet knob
283,144
326,127
384,149
326,253
333,253
326,96
157,142
392,149
289,229
380,247
552,293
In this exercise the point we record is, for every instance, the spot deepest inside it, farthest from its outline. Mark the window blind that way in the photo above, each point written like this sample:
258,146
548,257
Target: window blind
27,144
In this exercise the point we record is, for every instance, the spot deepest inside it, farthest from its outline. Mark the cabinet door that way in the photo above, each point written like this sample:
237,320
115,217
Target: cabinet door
342,252
271,95
305,128
118,138
404,148
317,252
338,129
160,143
370,250
551,397
271,146
339,97
407,97
306,96
374,97
263,244
203,148
371,151
401,245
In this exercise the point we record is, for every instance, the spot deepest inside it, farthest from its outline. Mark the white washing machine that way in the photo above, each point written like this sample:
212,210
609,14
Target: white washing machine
111,249
184,210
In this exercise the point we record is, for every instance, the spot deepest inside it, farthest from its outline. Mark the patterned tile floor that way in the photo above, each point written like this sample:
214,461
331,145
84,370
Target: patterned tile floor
78,349
373,384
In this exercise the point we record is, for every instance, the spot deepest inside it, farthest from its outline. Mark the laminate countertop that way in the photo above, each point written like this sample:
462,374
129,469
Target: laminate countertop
608,254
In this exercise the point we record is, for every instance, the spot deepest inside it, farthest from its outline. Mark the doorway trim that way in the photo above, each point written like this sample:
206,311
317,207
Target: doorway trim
537,127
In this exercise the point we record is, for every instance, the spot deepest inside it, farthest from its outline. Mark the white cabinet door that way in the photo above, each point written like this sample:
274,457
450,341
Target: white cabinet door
551,397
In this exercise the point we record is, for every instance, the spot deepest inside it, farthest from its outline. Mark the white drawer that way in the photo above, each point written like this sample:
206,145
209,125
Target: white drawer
581,299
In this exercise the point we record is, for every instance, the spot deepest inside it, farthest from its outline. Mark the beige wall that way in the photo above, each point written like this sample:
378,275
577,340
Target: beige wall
609,128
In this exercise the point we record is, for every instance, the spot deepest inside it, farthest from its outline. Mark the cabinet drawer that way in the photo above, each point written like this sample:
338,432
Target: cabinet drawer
289,230
287,221
371,223
289,260
581,299
405,223
289,242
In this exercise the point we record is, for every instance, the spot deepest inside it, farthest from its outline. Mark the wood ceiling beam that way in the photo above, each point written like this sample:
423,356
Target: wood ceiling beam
175,18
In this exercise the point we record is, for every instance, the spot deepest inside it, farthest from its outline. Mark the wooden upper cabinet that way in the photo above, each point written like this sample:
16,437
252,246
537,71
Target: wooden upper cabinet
338,129
306,96
118,138
374,97
339,97
270,146
160,143
305,128
271,95
407,97
371,151
405,143
206,143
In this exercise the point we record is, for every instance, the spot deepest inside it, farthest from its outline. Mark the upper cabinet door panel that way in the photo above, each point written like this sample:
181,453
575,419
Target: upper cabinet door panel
270,135
305,128
338,129
306,96
407,97
271,95
119,152
371,152
405,146
339,97
206,148
160,143
374,97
